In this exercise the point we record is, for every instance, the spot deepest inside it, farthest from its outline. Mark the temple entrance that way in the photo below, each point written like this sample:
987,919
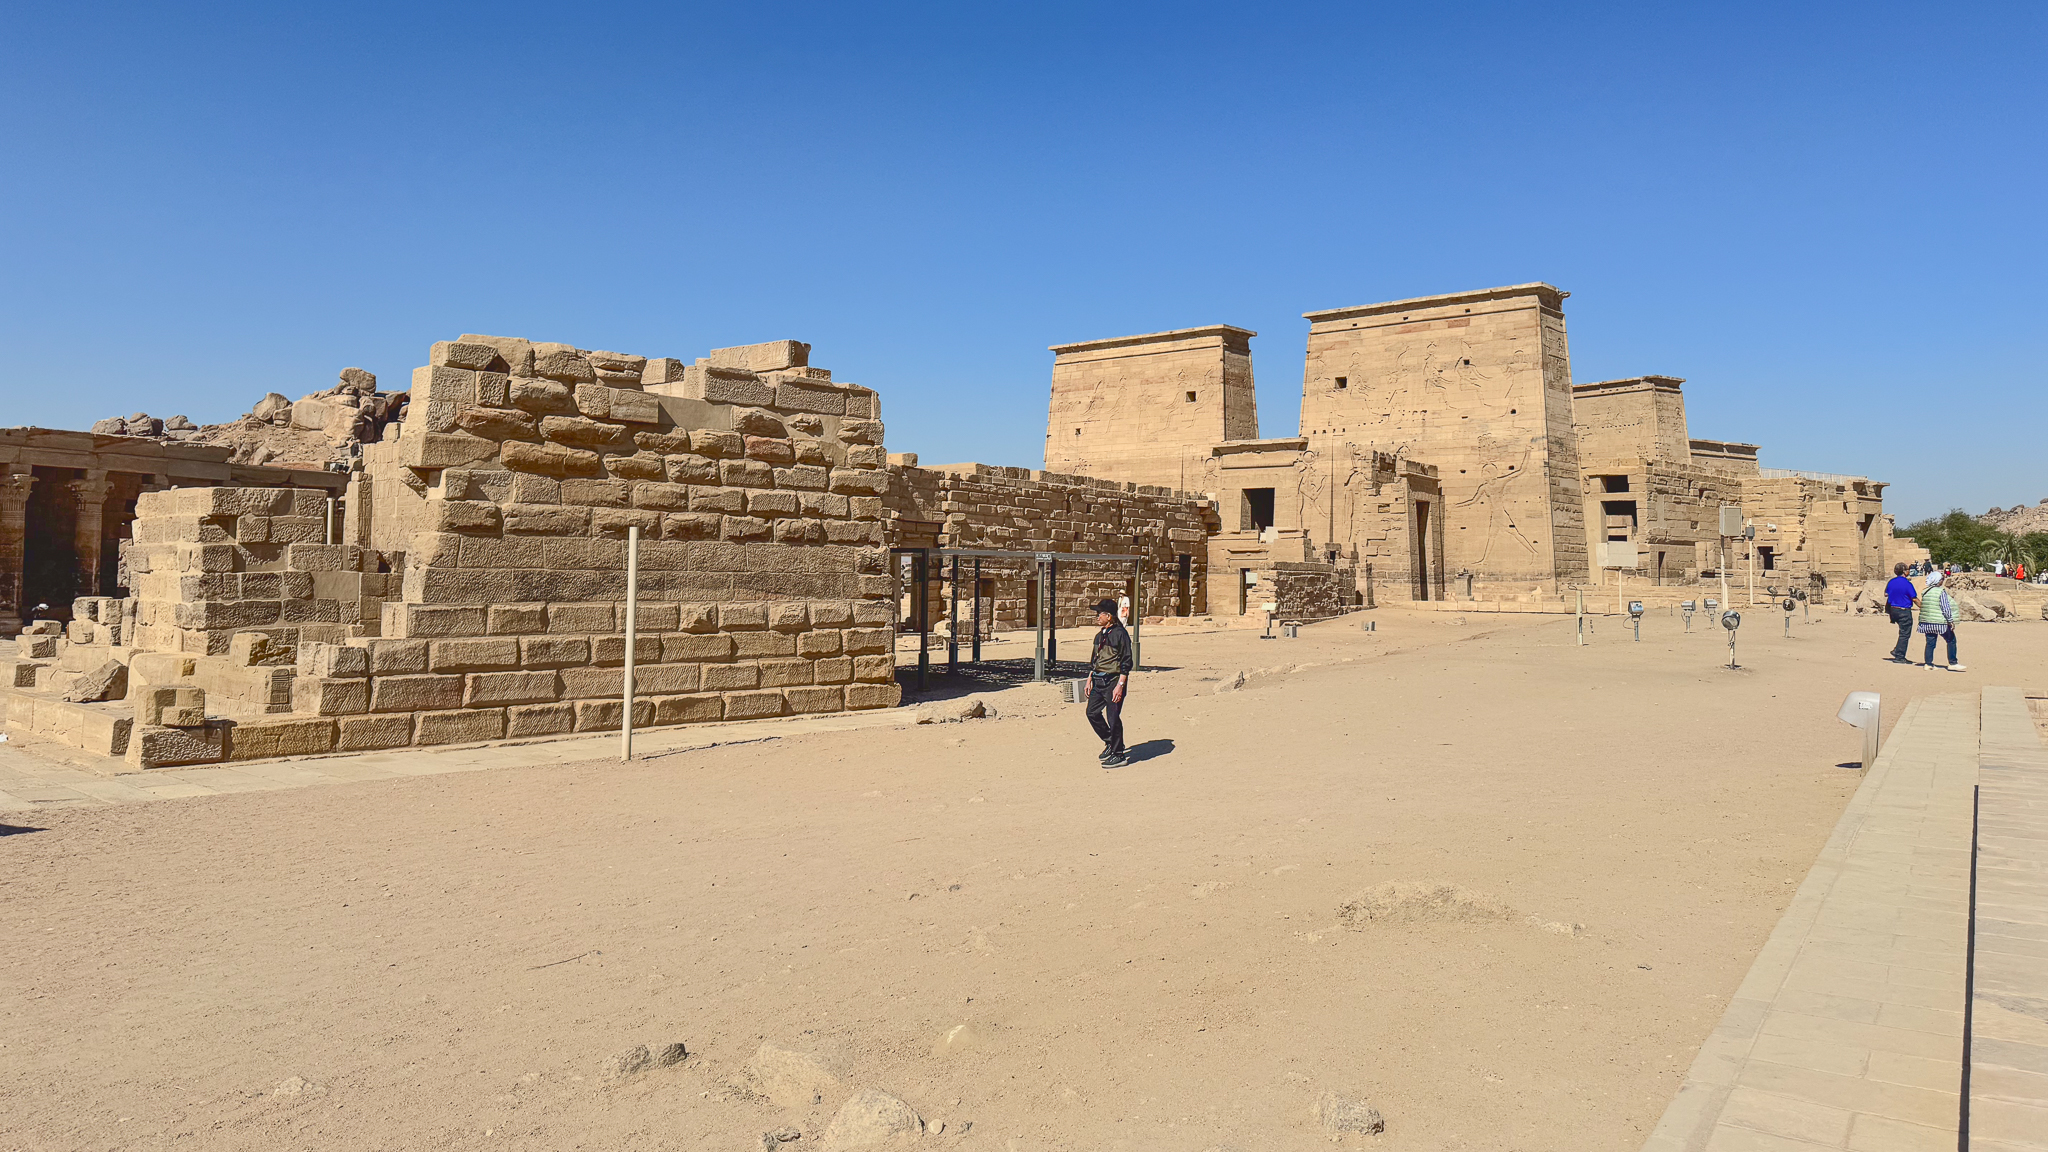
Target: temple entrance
49,550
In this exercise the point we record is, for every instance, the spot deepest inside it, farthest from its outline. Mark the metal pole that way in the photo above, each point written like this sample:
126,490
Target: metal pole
1052,621
632,638
330,520
1723,569
1038,636
977,609
953,623
922,568
1138,615
1582,617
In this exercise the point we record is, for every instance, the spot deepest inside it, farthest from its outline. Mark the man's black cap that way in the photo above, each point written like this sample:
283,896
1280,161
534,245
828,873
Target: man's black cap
1108,606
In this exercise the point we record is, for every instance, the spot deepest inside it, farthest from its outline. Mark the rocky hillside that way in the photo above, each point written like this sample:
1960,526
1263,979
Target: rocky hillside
317,430
2019,518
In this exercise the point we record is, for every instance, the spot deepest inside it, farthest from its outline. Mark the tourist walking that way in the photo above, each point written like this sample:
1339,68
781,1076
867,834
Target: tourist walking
1938,619
1109,674
1899,598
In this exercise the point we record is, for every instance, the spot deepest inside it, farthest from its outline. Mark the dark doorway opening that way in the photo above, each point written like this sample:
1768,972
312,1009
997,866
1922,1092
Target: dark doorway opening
1421,550
1183,587
1258,509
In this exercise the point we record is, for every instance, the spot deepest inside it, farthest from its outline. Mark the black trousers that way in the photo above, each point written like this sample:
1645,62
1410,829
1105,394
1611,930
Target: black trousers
1904,619
1105,715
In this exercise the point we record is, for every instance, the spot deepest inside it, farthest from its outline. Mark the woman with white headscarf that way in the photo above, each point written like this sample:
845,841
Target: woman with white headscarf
1937,619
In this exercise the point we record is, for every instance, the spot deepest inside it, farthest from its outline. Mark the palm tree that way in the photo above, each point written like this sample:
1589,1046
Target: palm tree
2011,548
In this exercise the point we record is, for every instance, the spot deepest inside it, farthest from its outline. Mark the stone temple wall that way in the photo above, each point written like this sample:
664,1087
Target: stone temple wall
1022,510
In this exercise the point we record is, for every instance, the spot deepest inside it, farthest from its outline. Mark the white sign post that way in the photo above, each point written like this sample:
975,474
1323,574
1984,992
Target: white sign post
632,637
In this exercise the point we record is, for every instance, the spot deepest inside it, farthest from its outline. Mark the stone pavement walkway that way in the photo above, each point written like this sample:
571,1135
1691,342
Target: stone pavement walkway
43,775
2008,1028
1850,1031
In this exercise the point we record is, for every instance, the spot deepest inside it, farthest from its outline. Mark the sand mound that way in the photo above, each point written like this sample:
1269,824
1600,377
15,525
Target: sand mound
1413,902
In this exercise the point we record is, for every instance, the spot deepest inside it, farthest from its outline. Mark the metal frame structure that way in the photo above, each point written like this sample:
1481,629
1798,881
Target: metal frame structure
1045,564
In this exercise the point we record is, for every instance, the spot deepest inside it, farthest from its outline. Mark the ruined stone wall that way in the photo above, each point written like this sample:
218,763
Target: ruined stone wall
1641,418
1313,591
516,476
1814,527
208,563
1477,384
1017,509
1145,409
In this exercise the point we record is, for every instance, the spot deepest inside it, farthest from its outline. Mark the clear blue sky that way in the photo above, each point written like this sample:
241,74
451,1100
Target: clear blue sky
1828,218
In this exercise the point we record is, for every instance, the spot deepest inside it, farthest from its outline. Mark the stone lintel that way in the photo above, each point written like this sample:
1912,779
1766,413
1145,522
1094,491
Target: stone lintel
1224,335
1550,297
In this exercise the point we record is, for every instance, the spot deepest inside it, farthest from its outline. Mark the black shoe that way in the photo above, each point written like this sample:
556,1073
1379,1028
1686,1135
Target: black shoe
1104,754
1116,761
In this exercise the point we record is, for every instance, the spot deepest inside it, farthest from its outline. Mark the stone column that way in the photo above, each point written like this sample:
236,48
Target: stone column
90,493
14,489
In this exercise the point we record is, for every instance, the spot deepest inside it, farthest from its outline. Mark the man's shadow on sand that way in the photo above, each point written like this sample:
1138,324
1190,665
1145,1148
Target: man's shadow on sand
1149,750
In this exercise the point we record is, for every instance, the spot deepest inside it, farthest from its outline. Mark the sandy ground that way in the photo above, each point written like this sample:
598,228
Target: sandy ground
1153,958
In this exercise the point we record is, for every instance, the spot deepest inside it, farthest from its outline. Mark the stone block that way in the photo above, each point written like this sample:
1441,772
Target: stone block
759,645
553,651
745,474
718,445
609,650
770,504
463,516
397,657
562,362
687,709
773,356
652,617
594,400
531,489
603,715
156,746
456,354
635,407
852,531
807,700
799,533
832,613
432,621
662,370
433,384
686,468
872,613
812,645
831,669
866,640
517,619
796,396
785,673
730,501
874,668
862,696
769,450
665,679
744,528
415,693
461,726
366,733
159,668
691,646
169,706
721,385
665,497
498,423
581,618
265,739
296,530
589,683
486,689
859,482
493,390
483,654
551,459
615,521
862,403
696,618
639,466
867,508
540,719
31,647
425,449
689,526
546,519
310,556
542,397
808,477
597,493
753,705
325,696
667,442
617,367
725,677
583,432
104,733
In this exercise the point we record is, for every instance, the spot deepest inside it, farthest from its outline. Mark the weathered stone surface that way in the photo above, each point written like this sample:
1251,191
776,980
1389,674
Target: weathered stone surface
540,720
462,726
498,423
152,746
562,362
170,706
551,459
456,354
268,738
415,693
1341,1114
543,397
583,432
797,1077
872,1119
364,733
109,681
320,696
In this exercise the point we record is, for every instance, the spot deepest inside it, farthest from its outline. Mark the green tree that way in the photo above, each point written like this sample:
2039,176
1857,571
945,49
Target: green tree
1957,538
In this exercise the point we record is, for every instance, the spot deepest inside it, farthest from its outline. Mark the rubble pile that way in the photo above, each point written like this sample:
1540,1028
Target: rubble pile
318,430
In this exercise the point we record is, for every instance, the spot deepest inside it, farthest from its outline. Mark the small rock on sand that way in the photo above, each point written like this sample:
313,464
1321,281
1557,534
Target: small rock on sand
796,1078
872,1119
957,1039
1341,1114
671,1053
631,1062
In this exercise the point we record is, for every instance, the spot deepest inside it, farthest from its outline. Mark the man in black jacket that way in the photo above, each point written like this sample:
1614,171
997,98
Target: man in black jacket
1109,673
